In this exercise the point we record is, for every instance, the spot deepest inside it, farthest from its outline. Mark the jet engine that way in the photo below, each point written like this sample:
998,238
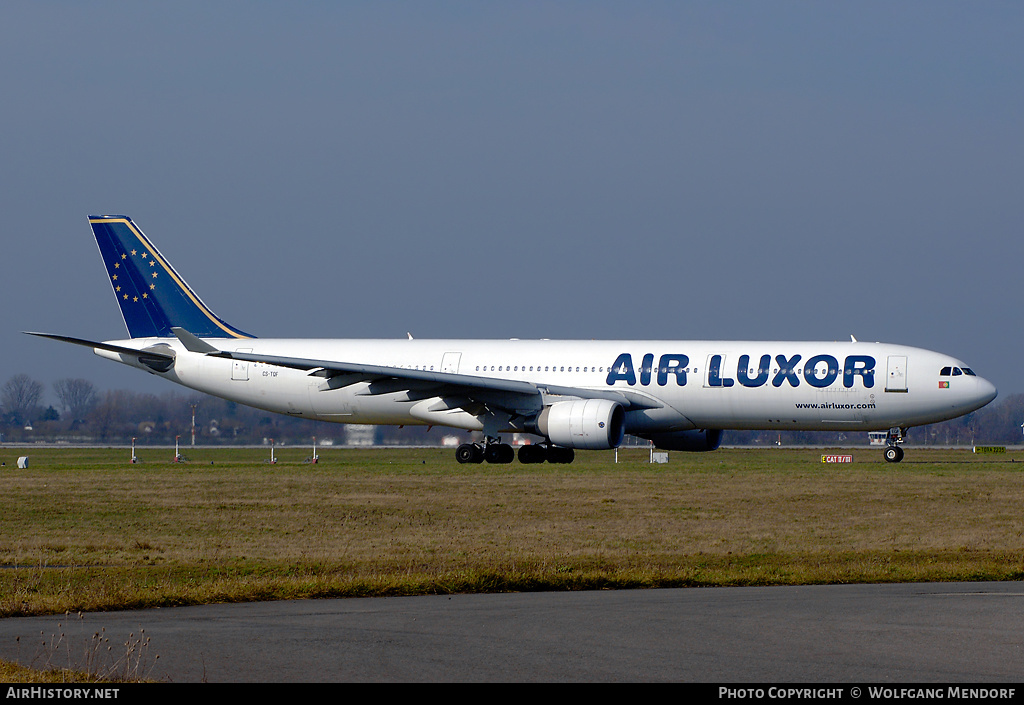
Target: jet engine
695,441
589,424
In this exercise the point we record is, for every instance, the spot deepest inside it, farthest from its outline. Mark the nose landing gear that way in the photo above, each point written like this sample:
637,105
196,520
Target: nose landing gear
893,453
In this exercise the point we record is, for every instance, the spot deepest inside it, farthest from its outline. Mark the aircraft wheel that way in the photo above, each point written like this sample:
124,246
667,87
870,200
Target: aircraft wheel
469,453
532,454
500,453
893,454
557,454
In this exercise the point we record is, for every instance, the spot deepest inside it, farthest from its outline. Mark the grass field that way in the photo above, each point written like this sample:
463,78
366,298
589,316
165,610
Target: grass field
83,529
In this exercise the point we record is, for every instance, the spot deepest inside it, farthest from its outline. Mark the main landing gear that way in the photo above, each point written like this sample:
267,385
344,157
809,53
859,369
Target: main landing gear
493,451
893,453
546,452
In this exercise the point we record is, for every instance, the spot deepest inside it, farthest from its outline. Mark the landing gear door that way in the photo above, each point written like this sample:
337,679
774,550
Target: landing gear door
896,375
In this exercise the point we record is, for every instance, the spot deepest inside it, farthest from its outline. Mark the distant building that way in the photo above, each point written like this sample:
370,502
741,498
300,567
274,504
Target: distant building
360,435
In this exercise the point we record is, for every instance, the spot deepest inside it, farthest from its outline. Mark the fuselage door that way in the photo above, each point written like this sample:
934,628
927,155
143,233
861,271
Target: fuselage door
450,362
716,374
896,375
240,368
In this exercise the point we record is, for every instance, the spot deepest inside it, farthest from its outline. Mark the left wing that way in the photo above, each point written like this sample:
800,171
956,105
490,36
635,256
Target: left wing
469,392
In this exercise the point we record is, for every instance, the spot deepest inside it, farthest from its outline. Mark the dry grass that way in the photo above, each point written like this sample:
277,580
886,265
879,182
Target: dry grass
75,654
15,673
84,530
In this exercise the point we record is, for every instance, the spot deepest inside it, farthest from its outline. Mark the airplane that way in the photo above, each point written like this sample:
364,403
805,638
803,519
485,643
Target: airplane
574,395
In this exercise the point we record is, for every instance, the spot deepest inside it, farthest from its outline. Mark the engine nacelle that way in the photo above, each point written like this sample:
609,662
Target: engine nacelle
587,424
696,441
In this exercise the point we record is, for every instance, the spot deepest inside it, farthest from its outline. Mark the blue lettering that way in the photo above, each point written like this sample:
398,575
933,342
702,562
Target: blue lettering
622,370
715,378
645,369
862,365
819,371
787,371
673,365
762,371
831,371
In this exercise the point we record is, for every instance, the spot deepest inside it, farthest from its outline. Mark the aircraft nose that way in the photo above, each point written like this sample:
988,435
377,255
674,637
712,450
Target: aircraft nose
986,392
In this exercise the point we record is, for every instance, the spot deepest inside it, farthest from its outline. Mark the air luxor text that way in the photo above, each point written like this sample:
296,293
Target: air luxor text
818,371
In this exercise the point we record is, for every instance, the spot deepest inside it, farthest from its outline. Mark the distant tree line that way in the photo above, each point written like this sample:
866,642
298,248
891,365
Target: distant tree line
84,414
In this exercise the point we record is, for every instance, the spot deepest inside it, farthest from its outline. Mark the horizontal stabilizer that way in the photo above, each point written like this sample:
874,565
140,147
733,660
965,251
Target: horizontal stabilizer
158,360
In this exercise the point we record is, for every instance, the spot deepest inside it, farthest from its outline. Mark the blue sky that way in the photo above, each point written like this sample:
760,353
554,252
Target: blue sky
676,170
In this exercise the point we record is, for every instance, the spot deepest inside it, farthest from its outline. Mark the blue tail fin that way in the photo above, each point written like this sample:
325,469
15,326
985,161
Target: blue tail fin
153,298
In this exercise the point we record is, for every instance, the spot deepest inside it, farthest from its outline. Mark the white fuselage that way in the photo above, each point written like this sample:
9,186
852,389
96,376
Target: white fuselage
688,384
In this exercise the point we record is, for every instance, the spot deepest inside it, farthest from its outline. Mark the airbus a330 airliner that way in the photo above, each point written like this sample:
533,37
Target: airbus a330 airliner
681,395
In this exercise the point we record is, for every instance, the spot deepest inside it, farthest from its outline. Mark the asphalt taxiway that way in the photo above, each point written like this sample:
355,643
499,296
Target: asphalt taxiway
936,632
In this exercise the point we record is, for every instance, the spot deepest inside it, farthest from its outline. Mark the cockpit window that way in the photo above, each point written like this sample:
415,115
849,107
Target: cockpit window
956,372
946,371
969,371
